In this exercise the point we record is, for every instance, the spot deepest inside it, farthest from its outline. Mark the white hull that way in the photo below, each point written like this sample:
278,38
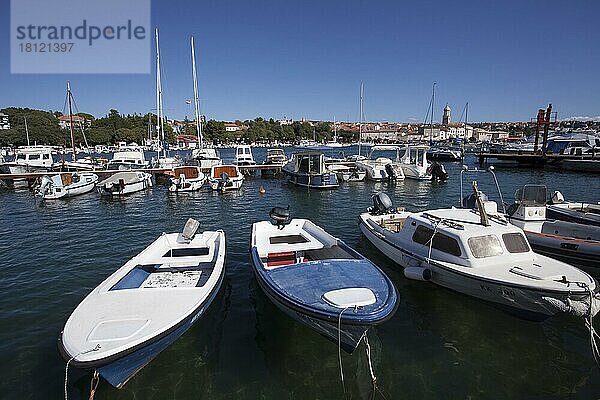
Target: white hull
525,295
417,172
232,184
52,187
120,184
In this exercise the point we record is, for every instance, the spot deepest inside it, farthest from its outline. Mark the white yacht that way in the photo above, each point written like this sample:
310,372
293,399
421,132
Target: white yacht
125,182
381,168
124,160
206,157
31,159
66,185
479,255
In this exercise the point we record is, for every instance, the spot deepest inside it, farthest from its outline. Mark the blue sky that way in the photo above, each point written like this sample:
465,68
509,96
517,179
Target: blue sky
307,59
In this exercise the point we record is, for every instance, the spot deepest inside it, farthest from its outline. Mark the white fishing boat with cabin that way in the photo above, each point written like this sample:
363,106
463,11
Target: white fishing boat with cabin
480,254
145,305
129,159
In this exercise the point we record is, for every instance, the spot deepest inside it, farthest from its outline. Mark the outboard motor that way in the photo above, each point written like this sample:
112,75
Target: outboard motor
382,204
223,179
557,198
438,172
280,215
390,171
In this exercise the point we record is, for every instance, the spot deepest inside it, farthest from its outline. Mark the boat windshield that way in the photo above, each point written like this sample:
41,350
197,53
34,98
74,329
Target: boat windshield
310,163
485,246
531,195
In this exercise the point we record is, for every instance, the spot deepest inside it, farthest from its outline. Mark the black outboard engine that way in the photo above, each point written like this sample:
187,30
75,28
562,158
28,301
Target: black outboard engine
438,172
382,204
390,171
280,215
470,201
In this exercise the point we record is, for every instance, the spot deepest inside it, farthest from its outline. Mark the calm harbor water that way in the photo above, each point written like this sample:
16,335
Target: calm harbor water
439,344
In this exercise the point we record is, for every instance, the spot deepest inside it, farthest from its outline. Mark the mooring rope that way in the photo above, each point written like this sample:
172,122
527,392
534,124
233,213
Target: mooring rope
589,323
69,362
340,349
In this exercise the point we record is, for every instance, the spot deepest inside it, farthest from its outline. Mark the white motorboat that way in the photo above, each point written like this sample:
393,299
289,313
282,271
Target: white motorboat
66,185
414,163
571,211
225,177
381,168
319,280
28,159
444,154
124,160
308,169
481,256
125,182
206,157
575,243
347,174
275,157
145,305
243,155
165,162
186,179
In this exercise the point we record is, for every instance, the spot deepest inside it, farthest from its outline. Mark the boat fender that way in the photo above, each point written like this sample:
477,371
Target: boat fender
418,273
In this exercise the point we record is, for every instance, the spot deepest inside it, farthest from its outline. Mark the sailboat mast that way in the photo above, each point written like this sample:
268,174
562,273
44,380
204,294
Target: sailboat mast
71,119
159,116
26,131
334,130
361,120
432,111
196,99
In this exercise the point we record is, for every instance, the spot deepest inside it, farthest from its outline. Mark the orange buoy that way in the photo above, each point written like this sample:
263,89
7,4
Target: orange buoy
262,190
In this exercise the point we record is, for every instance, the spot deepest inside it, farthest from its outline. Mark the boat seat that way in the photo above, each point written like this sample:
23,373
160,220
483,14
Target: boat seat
281,258
327,253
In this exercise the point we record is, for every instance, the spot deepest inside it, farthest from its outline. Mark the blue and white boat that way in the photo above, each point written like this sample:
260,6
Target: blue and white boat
145,305
308,169
320,281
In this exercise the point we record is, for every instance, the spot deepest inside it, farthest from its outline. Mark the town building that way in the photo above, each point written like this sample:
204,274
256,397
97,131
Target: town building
229,127
4,122
187,141
65,122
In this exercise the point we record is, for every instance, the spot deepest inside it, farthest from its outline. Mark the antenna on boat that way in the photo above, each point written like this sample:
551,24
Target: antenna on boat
482,213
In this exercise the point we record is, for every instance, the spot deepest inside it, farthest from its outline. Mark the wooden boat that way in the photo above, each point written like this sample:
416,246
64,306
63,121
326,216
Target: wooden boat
318,280
145,305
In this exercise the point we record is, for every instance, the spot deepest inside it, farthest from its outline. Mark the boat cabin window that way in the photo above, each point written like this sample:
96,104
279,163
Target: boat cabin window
485,246
532,195
441,242
20,156
46,156
515,242
310,164
34,156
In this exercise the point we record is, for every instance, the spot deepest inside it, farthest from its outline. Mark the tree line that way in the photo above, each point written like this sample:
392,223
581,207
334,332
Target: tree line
114,127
